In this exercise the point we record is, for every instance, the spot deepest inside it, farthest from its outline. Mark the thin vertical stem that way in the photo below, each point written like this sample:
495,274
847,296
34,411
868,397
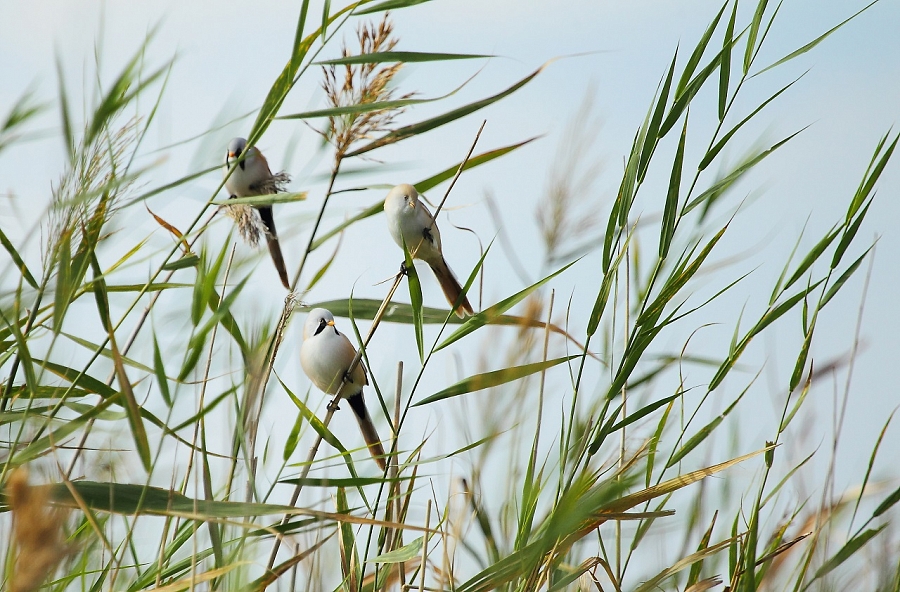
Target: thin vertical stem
425,546
625,338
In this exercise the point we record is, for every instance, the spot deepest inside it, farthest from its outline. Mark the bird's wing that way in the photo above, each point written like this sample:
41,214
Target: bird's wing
427,221
349,353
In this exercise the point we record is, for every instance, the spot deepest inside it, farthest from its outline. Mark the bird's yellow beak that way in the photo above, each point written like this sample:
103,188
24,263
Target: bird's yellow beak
231,155
330,323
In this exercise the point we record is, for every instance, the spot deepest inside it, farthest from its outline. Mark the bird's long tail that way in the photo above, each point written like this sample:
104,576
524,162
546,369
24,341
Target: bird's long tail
367,428
268,219
452,289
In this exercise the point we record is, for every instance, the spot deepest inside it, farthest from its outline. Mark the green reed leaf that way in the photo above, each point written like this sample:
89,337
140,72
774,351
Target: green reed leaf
488,315
17,259
408,57
667,227
430,124
415,298
725,63
698,52
390,5
814,42
491,379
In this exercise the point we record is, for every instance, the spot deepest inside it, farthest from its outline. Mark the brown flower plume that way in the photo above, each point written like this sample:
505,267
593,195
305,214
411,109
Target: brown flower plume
362,84
38,534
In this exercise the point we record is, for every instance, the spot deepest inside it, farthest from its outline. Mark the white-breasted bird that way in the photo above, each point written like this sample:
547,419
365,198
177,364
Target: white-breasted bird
326,355
410,221
253,177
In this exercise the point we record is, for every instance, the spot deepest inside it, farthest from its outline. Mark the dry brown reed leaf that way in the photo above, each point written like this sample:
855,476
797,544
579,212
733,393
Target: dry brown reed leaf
534,311
362,84
38,536
394,572
705,584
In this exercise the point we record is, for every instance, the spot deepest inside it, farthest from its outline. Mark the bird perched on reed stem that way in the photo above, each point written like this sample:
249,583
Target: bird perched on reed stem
410,222
250,178
325,356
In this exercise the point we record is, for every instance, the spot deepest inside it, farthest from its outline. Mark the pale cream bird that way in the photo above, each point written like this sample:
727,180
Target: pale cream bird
410,221
326,355
254,177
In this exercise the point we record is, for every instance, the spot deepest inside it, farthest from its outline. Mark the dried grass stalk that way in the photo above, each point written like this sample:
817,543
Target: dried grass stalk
88,195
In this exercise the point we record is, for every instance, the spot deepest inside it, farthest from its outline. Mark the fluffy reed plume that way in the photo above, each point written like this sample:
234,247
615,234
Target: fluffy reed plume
88,194
246,218
362,84
38,537
567,212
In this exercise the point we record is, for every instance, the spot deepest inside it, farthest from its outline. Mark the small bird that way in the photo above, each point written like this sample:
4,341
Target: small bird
410,221
326,355
253,177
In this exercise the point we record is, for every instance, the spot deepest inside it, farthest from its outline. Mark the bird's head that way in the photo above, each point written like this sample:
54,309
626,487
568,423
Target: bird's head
401,196
316,322
236,147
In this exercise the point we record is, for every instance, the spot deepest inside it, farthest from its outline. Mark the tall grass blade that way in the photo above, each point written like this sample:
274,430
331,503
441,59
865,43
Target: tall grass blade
322,430
682,564
714,151
491,379
872,175
65,115
491,313
698,52
837,285
408,57
847,551
17,259
811,257
430,124
683,99
814,42
390,5
725,62
415,299
652,137
728,180
421,187
159,370
753,34
887,504
667,230
350,564
477,160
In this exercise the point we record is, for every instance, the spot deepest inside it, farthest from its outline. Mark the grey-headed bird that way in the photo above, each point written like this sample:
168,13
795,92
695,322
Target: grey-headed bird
410,221
253,177
326,355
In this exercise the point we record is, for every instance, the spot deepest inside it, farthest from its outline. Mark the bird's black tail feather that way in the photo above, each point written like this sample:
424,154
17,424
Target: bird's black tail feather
268,220
358,404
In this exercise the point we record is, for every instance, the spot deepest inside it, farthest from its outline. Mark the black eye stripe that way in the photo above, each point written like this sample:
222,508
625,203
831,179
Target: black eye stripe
322,325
